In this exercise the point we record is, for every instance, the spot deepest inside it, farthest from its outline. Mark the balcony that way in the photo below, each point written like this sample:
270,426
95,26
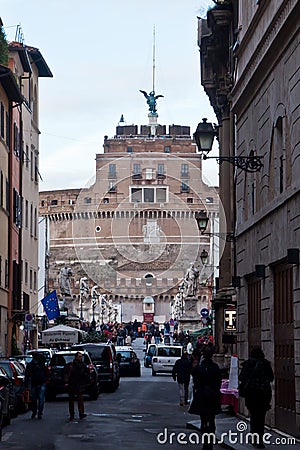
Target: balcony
136,176
160,176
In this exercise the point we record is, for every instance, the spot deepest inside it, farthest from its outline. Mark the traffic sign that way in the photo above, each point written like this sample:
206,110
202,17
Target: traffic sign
204,312
29,322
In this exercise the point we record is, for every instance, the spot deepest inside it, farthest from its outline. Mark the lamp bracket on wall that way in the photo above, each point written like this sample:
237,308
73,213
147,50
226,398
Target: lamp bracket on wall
228,237
204,137
246,163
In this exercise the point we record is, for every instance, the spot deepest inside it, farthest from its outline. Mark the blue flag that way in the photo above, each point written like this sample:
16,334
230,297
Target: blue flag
50,304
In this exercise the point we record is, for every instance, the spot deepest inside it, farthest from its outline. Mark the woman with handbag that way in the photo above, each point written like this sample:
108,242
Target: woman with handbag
207,396
255,385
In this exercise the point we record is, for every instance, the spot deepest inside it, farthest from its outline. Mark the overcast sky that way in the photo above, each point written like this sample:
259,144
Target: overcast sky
100,54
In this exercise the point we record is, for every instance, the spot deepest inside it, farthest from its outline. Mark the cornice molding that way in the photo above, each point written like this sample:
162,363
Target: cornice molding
263,47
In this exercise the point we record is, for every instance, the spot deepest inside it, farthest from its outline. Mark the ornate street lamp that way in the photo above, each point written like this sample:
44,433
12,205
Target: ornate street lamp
202,222
204,137
181,293
204,257
95,295
83,290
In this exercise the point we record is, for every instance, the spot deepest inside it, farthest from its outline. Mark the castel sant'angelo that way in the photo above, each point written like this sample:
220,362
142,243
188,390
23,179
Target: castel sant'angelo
133,232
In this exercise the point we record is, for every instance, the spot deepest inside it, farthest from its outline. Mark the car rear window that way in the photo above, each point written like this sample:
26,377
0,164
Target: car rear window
125,355
19,368
7,368
100,353
46,354
151,350
2,372
62,360
169,351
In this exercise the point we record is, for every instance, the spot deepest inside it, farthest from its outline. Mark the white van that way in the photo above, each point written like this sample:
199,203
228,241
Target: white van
165,357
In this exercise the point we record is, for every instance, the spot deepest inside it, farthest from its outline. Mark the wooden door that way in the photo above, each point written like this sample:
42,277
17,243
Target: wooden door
285,400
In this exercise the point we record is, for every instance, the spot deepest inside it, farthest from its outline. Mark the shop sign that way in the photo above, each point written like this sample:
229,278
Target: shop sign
148,317
230,319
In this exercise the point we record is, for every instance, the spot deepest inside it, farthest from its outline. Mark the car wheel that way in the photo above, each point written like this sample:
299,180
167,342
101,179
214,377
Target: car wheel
112,387
50,396
94,394
23,407
138,373
7,419
153,373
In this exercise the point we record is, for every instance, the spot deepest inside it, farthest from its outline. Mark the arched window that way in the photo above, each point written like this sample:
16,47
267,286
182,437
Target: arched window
280,155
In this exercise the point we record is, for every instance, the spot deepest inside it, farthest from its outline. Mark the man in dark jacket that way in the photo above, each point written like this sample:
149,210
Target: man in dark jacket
182,373
207,396
77,379
36,375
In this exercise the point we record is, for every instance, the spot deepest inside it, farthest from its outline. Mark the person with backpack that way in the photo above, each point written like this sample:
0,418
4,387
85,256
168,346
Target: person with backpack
182,373
255,385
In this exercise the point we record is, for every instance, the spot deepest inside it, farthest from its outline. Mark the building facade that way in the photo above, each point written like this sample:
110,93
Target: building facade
10,94
263,97
133,232
19,192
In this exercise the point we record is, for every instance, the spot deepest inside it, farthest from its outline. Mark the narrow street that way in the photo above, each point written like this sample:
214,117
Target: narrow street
130,418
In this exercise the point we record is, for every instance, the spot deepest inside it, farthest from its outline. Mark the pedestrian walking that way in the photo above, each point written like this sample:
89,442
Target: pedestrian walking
128,340
77,377
182,373
189,348
36,375
207,397
255,385
157,336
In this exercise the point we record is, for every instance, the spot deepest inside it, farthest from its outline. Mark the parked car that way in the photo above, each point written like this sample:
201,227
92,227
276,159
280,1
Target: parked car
105,359
149,353
7,399
58,367
46,352
22,359
129,363
16,373
165,357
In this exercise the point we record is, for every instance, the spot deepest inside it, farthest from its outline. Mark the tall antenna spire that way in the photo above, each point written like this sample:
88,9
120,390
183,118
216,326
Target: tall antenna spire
153,67
151,97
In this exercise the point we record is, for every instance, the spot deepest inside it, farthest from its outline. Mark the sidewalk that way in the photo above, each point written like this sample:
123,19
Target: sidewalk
235,431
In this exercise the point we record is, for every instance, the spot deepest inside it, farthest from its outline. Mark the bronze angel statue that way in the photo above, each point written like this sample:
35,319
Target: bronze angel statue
151,100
